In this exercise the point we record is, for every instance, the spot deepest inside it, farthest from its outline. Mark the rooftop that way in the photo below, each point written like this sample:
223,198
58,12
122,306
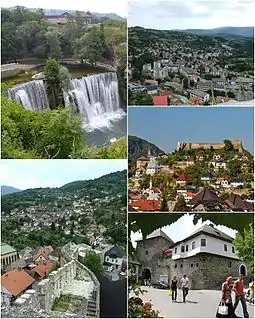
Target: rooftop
16,281
7,249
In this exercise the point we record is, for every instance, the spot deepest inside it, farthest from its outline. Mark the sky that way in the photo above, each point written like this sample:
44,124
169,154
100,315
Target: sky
24,174
183,228
166,126
191,14
101,6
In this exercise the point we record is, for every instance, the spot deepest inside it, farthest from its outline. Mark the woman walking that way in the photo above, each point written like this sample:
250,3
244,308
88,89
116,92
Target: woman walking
174,289
226,300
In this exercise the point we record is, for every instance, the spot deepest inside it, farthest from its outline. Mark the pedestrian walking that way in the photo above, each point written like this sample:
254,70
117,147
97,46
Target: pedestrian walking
174,289
226,308
184,283
239,290
251,290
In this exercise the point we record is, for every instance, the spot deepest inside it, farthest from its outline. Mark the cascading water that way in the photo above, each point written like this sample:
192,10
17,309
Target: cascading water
32,95
96,98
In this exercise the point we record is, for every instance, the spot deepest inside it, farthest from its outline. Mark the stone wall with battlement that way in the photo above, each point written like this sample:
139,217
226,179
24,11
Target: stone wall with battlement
40,301
193,146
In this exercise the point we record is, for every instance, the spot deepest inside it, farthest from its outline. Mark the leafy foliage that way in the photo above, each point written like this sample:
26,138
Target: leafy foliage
93,262
244,243
48,134
148,222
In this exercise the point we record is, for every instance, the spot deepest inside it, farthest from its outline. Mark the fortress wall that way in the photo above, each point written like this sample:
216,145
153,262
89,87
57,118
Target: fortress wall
193,146
48,289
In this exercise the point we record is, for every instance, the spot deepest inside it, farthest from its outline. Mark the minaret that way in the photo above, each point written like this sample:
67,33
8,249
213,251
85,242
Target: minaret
150,183
149,153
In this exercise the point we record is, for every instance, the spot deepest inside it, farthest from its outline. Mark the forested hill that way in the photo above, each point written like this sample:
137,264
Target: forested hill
138,147
8,190
111,185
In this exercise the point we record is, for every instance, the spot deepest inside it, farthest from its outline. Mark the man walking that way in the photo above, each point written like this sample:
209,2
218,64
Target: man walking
184,287
239,290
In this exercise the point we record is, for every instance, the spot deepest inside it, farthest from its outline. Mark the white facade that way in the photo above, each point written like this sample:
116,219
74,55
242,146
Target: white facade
115,262
213,245
152,170
237,184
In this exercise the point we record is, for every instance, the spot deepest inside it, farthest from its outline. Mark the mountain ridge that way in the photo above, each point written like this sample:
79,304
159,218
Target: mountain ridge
223,31
52,12
139,147
6,189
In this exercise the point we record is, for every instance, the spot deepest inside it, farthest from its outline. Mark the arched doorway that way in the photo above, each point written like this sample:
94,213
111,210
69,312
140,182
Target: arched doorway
146,276
243,270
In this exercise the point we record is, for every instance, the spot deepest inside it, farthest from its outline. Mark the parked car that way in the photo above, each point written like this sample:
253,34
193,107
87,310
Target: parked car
161,285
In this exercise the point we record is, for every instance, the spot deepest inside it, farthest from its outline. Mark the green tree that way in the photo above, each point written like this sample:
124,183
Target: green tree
53,78
180,205
53,226
235,167
228,146
164,205
244,244
93,262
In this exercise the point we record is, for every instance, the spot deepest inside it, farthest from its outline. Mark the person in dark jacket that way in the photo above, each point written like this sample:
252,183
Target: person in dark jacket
174,289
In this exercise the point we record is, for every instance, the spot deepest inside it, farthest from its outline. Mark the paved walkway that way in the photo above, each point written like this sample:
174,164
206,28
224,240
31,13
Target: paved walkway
200,304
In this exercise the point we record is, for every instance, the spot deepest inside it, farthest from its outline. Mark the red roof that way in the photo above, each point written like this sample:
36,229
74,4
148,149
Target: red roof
16,281
191,194
167,251
160,100
183,178
146,205
167,93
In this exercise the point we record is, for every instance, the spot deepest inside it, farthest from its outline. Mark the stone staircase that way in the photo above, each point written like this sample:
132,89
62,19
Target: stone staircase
92,306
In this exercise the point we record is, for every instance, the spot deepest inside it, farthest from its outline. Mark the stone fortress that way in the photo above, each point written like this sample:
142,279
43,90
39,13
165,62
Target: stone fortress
71,279
216,146
205,268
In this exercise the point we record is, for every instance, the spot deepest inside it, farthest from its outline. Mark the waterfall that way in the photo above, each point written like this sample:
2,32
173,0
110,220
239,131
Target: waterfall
32,95
97,100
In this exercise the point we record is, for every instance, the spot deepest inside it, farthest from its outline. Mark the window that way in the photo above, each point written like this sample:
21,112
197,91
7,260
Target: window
203,242
197,264
146,253
233,249
225,247
187,247
229,264
182,249
175,266
175,250
193,245
181,265
191,265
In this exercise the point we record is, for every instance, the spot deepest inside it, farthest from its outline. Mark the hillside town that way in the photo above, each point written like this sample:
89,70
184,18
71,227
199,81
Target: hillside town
186,69
195,177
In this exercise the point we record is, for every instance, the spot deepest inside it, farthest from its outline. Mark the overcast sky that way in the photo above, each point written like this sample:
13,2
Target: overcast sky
183,228
24,174
101,6
190,14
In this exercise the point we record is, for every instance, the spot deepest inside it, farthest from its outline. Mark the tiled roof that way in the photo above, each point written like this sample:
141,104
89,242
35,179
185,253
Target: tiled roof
237,203
205,195
16,281
44,268
145,205
7,249
158,233
183,177
160,100
115,250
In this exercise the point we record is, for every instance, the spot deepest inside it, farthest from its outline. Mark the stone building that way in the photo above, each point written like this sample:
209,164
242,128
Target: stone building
207,257
8,255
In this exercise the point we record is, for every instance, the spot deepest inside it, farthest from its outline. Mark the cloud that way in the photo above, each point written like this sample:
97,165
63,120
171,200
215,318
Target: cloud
174,14
24,174
183,228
